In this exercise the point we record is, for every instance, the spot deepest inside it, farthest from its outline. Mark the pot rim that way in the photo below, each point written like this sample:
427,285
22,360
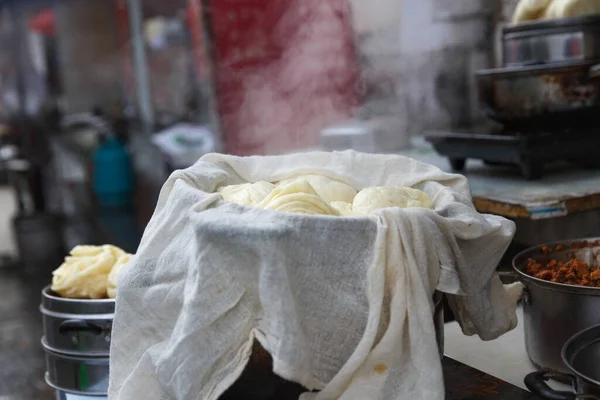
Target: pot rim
47,292
573,342
536,71
575,23
561,287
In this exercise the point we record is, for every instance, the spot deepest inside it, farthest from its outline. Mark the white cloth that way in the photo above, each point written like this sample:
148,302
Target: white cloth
344,305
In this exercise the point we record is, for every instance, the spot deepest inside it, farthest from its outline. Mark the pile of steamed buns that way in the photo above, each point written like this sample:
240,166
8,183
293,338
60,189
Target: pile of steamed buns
533,10
321,195
90,272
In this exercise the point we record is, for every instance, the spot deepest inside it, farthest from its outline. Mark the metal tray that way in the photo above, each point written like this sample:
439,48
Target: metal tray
548,95
556,41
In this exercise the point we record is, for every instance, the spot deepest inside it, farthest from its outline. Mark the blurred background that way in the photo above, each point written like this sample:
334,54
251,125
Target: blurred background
100,100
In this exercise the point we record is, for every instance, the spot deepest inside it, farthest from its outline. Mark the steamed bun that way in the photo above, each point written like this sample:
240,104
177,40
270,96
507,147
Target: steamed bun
247,194
528,10
328,189
571,8
297,197
83,275
374,198
111,282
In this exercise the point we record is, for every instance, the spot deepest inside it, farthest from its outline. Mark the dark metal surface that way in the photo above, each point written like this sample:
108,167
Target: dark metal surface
527,151
553,312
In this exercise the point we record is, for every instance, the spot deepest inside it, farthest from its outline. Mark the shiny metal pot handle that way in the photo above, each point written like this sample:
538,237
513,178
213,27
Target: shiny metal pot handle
78,325
594,72
536,383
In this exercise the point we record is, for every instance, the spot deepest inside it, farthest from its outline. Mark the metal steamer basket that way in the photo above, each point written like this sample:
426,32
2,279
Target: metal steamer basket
553,41
76,341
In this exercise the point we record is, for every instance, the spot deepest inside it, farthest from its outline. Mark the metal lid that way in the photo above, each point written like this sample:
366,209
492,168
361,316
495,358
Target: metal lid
539,69
54,304
581,354
561,24
537,253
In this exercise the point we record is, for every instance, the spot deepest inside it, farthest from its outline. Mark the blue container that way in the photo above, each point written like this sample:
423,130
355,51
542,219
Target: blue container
112,174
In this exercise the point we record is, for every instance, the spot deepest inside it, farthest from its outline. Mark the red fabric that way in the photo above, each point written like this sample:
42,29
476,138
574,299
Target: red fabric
285,70
43,23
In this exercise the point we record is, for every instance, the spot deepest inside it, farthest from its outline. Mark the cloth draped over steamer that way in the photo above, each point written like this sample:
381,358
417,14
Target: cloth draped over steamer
343,305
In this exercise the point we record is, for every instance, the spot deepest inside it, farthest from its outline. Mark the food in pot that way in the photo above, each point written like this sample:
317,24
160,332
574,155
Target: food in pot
320,195
571,272
111,282
84,274
530,10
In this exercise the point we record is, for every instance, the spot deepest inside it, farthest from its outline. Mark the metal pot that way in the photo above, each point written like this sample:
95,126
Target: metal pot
582,355
543,97
554,312
560,40
77,375
76,326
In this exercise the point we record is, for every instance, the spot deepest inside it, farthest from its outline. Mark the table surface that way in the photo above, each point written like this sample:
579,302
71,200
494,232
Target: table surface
502,191
504,358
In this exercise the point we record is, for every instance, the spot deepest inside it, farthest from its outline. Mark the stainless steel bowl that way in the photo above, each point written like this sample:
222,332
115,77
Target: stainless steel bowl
554,312
75,326
77,375
555,41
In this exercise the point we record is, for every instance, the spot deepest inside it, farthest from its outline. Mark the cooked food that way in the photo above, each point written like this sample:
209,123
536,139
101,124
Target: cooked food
84,273
571,272
374,198
298,197
571,8
328,189
111,282
247,194
320,195
530,10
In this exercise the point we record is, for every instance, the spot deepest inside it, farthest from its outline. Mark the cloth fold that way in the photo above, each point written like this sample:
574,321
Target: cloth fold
343,304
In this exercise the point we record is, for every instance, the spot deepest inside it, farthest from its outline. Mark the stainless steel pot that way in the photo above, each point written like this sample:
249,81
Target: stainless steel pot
582,355
75,326
554,312
552,41
544,96
77,375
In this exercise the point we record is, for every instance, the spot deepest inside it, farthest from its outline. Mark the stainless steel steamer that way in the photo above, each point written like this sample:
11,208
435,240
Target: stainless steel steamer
76,341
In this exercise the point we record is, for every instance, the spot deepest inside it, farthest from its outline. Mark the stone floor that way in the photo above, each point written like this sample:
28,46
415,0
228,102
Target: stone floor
21,357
